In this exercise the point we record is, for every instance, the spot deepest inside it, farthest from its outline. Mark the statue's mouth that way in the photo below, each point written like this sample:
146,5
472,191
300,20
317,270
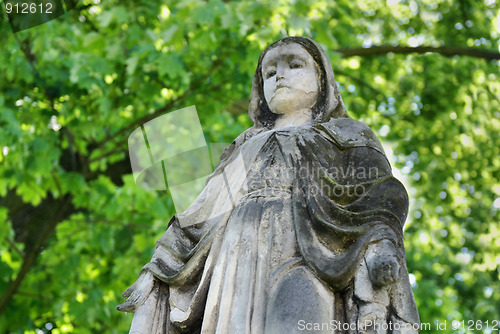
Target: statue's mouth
279,89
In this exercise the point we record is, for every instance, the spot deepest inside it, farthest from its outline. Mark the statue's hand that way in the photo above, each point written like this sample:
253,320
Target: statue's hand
383,264
137,293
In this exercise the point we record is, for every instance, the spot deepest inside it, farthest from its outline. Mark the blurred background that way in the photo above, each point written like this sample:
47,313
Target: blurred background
75,230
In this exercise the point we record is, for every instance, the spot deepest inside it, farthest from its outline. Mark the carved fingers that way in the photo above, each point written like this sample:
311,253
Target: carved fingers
137,293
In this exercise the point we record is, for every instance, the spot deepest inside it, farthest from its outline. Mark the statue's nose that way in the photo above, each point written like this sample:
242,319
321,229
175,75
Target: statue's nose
280,73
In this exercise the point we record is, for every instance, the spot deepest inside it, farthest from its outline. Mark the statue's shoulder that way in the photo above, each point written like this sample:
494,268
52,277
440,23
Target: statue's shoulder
348,132
242,138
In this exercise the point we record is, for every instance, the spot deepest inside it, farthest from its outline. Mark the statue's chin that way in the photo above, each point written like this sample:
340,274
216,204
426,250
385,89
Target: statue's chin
284,106
285,101
289,108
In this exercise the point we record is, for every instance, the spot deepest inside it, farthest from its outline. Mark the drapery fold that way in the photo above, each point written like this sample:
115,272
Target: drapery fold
341,198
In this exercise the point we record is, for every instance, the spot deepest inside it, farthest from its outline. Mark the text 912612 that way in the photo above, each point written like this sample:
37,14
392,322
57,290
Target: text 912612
28,8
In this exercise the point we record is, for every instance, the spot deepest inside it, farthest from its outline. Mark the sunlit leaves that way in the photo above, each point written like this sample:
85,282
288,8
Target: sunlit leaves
71,89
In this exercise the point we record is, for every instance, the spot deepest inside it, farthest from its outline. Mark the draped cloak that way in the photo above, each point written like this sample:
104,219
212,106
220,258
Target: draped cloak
279,236
327,193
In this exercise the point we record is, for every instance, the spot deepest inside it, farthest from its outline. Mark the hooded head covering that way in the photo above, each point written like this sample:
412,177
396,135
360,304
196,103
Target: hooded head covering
329,103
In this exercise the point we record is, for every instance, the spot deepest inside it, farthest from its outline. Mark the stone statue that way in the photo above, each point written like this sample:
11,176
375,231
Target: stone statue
309,239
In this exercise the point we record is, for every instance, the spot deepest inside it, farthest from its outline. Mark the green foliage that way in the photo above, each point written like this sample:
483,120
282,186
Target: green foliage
73,89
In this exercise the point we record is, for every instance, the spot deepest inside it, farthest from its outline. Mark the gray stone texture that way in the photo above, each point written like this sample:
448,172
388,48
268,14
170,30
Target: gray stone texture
310,233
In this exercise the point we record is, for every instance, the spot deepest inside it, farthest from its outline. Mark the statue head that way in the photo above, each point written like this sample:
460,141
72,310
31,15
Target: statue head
294,73
290,80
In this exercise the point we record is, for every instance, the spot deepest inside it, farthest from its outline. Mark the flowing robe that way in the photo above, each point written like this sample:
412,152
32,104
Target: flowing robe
278,239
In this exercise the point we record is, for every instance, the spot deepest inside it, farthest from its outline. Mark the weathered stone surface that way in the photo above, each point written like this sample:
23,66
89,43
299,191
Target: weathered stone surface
309,237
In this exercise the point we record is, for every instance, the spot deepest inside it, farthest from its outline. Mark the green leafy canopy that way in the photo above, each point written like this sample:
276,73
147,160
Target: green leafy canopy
75,230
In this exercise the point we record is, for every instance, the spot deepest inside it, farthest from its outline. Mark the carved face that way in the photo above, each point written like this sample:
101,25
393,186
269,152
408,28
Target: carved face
291,80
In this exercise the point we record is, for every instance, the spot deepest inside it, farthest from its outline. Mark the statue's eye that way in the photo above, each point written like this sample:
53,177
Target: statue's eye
270,74
296,65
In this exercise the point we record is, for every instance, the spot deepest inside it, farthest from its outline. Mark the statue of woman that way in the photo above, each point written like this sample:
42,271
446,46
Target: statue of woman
308,239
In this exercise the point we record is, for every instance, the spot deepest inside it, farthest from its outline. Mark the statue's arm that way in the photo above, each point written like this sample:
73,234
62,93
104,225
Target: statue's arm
383,258
172,251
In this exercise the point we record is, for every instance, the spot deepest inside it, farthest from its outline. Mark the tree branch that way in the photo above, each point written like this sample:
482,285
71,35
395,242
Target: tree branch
25,48
14,247
117,149
447,51
157,112
30,258
360,82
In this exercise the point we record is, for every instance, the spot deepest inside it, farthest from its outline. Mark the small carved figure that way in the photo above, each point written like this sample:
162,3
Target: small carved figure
309,239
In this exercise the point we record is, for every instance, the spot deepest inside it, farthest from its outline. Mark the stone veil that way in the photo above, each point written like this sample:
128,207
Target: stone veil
307,237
